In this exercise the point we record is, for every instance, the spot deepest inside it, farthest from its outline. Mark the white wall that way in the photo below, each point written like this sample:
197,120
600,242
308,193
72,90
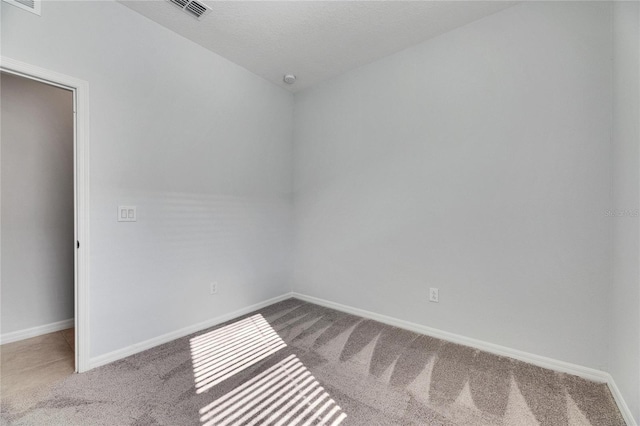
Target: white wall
625,291
201,146
37,204
477,162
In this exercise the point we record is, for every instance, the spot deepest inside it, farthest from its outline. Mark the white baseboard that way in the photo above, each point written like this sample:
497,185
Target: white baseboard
165,338
28,333
622,405
541,361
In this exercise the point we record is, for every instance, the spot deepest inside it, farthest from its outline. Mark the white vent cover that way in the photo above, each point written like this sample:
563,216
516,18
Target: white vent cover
194,8
33,6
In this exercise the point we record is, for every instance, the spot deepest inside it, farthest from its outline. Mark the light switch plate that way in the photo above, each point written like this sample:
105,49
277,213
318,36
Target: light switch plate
127,214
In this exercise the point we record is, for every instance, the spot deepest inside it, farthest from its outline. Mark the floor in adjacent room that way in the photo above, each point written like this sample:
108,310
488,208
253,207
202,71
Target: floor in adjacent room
30,368
296,363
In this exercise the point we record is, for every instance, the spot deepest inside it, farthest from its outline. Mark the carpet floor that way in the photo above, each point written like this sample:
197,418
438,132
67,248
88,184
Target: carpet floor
296,363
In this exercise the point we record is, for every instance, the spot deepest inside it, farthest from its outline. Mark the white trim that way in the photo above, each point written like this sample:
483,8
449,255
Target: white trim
622,405
541,361
28,333
177,334
545,362
80,89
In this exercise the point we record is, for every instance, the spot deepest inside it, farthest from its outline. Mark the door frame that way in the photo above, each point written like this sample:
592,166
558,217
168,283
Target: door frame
80,90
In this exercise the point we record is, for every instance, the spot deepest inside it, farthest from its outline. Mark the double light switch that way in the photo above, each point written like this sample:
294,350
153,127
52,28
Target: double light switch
126,213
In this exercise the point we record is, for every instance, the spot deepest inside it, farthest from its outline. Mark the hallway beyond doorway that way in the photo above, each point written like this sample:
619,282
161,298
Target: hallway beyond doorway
29,368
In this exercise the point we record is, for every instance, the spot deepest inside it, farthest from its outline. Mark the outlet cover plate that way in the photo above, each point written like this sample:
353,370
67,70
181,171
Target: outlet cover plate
434,295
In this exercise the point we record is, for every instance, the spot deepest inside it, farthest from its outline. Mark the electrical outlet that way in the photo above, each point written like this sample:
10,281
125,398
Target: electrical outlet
214,288
433,295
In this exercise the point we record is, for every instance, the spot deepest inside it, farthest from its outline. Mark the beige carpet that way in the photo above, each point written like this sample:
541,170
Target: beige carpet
295,363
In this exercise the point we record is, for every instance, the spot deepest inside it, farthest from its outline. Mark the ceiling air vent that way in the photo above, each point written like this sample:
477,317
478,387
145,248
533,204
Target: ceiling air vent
194,8
33,6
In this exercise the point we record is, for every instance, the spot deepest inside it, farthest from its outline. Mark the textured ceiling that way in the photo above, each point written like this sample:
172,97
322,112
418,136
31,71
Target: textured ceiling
315,40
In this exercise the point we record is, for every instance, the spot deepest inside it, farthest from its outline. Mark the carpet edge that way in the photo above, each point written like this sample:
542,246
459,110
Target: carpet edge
118,354
538,360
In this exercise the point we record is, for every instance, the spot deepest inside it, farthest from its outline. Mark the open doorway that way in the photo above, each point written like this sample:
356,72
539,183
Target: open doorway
74,329
37,234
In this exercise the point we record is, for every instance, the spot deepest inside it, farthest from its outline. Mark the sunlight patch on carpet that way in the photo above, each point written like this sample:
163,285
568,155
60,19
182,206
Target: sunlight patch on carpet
285,394
226,351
